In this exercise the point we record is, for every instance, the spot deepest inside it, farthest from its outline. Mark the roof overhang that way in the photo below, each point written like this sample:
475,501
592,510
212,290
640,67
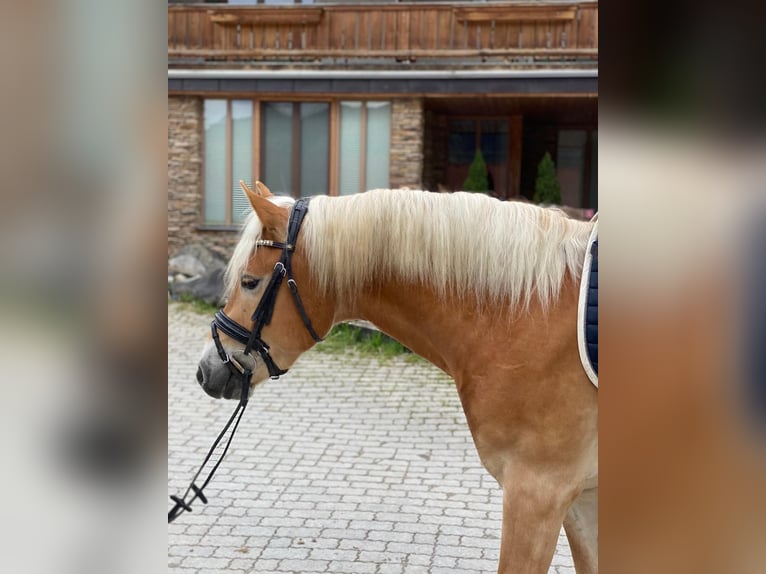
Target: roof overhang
303,74
395,83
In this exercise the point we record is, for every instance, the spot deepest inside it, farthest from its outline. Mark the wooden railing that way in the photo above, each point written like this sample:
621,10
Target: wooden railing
499,30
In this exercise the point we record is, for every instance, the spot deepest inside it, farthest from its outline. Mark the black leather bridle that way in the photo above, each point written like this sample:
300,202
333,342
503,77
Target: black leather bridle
265,309
253,342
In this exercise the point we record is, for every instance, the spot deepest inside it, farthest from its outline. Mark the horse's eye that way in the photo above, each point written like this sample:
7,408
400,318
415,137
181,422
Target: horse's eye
249,283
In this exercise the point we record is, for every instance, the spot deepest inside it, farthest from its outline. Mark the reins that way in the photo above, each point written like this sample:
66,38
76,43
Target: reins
253,342
181,504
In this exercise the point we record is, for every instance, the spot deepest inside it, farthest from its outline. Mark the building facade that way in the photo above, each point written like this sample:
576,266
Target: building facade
337,98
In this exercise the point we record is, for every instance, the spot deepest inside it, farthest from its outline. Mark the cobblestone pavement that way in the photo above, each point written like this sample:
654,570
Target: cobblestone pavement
344,465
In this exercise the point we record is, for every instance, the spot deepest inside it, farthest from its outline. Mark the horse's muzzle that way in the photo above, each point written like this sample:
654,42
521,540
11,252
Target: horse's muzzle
217,382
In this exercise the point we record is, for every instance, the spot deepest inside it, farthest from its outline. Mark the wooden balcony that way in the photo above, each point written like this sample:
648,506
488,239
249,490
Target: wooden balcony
446,35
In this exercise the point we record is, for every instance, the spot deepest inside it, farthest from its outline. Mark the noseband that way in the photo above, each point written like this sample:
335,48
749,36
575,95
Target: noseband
253,342
265,309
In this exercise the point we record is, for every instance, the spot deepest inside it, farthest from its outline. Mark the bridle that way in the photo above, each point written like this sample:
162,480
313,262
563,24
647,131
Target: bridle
244,363
265,309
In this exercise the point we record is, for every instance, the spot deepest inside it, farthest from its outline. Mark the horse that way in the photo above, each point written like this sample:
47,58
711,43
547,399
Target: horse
485,290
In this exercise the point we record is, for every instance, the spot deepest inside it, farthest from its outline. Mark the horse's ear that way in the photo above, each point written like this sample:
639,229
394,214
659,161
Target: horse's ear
248,192
272,216
262,189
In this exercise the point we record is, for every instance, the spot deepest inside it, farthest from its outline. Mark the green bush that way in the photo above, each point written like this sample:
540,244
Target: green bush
345,337
547,187
477,175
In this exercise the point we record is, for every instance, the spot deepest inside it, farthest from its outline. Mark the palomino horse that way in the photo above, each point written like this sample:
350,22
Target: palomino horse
485,290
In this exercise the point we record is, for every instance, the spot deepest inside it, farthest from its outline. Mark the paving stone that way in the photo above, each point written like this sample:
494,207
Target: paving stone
333,554
246,564
285,553
352,567
205,562
476,564
303,566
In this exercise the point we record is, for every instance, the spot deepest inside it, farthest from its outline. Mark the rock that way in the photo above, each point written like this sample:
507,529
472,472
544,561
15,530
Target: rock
206,269
207,287
186,264
208,258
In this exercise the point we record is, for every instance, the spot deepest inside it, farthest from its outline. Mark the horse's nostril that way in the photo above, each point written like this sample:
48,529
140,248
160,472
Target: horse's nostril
200,376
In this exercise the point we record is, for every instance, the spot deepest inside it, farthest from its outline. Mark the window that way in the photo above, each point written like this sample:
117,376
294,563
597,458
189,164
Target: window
377,145
577,167
295,143
491,136
365,136
228,158
314,162
296,148
276,139
215,161
241,155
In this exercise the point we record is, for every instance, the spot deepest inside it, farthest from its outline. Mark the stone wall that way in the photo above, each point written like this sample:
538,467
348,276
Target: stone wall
406,164
185,181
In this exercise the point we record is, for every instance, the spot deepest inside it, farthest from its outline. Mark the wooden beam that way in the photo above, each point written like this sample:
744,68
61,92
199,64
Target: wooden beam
587,167
256,141
515,139
270,15
229,183
296,151
363,150
334,148
201,149
298,54
516,14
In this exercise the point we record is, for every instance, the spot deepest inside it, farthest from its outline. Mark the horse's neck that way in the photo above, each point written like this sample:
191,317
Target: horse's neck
450,333
438,330
407,314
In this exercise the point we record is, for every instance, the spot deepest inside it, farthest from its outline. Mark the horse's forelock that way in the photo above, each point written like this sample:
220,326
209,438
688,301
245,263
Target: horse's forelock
252,229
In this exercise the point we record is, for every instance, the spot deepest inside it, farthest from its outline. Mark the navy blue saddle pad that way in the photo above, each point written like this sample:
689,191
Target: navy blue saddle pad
591,313
755,323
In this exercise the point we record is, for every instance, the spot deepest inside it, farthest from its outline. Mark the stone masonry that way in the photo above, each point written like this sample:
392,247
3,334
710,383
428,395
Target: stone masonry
185,181
407,122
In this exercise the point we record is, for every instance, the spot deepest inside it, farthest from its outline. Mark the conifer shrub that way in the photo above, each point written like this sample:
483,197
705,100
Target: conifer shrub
547,187
477,175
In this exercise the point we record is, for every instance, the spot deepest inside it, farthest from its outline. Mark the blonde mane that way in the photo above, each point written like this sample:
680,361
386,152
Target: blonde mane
498,253
467,244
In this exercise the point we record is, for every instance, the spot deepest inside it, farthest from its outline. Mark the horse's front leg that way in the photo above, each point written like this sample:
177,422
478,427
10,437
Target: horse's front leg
534,507
581,525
